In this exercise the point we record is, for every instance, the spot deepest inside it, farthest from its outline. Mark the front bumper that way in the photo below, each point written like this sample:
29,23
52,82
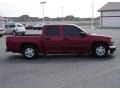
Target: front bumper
20,31
112,49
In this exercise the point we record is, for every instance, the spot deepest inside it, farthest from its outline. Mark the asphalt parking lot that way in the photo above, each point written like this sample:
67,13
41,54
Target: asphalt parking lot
61,71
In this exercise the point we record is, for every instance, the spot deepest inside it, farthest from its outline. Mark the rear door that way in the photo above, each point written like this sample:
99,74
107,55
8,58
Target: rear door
52,39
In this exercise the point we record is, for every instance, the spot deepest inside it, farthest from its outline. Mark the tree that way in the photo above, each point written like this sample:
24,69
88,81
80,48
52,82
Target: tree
69,18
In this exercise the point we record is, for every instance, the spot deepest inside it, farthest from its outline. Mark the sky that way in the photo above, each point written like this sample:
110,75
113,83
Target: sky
52,8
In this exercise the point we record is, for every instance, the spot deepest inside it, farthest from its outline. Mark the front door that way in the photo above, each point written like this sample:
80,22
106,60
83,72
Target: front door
73,41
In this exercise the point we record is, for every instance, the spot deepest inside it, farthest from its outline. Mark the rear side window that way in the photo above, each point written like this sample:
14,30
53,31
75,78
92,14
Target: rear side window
12,25
52,31
19,25
6,26
71,31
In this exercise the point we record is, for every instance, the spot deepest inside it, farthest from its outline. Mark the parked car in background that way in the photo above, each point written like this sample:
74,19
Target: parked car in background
2,32
38,26
29,27
15,28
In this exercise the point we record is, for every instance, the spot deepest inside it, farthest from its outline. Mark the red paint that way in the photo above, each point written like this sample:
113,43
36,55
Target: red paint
57,44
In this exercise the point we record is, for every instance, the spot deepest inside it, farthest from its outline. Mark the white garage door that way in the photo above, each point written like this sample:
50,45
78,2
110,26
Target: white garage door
111,22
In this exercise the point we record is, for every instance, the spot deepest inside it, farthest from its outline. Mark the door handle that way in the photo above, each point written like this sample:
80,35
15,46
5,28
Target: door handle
47,39
66,39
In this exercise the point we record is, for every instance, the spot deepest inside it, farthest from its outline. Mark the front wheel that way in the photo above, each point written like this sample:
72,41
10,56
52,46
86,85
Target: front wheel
100,50
29,51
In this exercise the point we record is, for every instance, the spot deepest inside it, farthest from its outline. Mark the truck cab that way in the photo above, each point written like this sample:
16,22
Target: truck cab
64,38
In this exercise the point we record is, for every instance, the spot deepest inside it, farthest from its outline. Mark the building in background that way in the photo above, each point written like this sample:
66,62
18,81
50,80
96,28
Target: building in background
4,21
110,15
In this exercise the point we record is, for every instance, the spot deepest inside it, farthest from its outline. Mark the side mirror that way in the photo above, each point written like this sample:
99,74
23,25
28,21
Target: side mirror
83,34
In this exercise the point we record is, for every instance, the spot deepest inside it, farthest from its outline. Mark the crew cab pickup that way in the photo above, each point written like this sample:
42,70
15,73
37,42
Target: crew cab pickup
60,39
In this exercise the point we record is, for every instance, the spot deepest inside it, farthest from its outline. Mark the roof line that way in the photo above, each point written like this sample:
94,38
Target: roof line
109,10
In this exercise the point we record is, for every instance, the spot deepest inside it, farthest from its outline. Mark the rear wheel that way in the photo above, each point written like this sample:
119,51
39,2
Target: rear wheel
29,51
100,50
0,35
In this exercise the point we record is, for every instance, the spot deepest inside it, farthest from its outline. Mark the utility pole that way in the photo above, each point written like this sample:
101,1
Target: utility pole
62,11
43,9
92,20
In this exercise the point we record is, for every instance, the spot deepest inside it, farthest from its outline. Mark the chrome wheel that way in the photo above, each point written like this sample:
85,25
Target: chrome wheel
100,50
29,52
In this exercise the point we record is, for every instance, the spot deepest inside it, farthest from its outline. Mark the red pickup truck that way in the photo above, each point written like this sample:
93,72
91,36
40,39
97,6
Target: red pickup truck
60,39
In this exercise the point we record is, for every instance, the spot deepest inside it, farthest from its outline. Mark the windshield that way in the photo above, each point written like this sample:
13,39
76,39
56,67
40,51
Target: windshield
19,25
82,29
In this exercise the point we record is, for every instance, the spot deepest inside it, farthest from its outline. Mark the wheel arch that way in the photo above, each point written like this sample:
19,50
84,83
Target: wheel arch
25,44
99,42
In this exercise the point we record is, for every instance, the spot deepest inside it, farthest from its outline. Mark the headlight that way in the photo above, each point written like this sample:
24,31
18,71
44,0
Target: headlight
112,41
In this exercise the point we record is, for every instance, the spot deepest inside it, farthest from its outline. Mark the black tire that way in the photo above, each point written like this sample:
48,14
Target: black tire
100,50
14,33
29,52
0,35
23,33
